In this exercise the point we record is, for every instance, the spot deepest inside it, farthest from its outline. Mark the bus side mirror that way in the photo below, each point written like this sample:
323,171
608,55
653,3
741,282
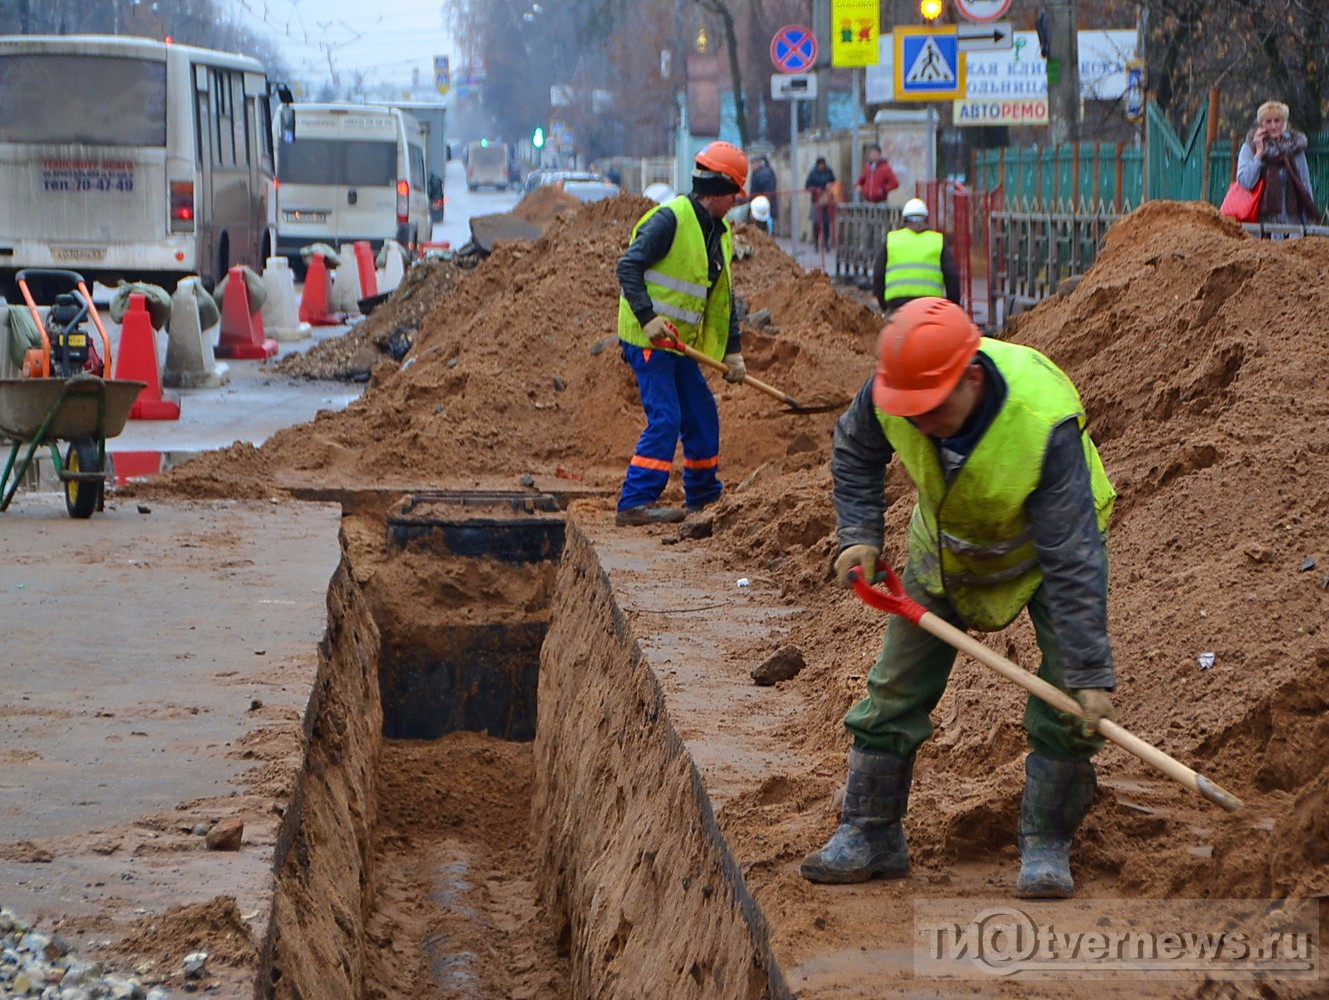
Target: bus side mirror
286,118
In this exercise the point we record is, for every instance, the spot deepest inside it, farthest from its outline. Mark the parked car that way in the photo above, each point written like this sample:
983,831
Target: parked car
578,183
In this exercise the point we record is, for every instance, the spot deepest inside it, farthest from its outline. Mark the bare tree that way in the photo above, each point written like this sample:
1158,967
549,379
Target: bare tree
721,10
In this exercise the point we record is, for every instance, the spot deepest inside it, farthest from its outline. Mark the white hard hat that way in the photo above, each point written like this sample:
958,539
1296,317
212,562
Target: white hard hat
658,192
761,208
915,208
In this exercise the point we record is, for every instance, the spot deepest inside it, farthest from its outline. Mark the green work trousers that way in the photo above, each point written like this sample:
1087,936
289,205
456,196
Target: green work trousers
910,676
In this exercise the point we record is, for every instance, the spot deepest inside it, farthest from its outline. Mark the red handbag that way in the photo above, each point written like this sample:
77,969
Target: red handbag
1243,205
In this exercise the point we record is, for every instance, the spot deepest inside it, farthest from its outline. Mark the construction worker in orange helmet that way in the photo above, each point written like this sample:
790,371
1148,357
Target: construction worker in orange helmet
676,288
1012,512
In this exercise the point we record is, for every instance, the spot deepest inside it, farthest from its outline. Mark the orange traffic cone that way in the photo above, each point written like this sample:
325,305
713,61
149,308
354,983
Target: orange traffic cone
241,334
129,465
364,259
318,289
137,361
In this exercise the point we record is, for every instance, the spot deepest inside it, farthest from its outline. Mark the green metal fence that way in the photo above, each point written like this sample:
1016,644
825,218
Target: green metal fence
1089,173
1113,175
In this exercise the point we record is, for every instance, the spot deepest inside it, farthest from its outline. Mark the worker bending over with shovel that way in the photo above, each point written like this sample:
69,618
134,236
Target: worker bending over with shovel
1012,512
677,287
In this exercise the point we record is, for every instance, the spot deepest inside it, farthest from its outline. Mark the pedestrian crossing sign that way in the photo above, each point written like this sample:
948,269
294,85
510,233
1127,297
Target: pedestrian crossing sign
928,64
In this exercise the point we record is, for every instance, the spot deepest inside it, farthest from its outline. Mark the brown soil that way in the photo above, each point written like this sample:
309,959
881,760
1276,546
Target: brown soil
1200,356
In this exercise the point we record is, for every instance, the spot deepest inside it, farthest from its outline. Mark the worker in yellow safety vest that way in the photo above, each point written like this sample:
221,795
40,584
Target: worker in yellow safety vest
1012,513
915,262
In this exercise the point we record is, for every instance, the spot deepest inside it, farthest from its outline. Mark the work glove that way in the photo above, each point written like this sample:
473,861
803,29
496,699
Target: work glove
1097,704
738,369
659,330
864,556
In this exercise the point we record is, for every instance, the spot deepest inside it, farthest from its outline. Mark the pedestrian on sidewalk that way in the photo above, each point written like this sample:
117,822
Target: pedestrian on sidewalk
1012,513
1276,153
878,177
914,261
676,286
820,184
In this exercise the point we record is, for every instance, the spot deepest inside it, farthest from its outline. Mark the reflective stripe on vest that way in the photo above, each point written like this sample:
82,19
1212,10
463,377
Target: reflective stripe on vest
970,540
913,264
677,284
663,307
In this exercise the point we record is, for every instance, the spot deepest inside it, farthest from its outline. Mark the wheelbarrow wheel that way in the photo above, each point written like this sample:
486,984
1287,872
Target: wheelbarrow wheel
82,498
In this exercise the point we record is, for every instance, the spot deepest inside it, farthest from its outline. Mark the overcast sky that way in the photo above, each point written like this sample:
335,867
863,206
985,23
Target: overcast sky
385,39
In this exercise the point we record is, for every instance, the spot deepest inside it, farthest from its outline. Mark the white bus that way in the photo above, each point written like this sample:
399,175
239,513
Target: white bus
350,172
127,157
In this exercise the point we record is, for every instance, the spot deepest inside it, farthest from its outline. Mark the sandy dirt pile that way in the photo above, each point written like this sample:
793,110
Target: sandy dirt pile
390,329
516,371
387,332
1199,354
1194,348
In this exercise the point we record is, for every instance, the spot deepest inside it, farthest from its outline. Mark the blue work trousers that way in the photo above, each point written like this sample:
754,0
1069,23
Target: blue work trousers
678,404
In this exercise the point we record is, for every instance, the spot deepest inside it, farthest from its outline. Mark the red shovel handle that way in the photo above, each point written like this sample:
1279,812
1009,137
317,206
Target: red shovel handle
893,600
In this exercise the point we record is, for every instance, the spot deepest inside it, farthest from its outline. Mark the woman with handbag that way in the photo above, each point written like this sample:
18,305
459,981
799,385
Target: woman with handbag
1275,155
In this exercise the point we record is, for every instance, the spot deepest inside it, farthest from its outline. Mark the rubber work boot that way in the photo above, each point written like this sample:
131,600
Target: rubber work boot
1057,795
870,838
633,517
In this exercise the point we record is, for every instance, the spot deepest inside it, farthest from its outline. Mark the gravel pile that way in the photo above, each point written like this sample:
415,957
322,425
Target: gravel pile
33,964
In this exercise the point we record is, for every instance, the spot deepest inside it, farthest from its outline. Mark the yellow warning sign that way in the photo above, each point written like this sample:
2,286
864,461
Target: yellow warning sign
854,28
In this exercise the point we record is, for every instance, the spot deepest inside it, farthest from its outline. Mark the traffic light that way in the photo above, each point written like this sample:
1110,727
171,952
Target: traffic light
538,138
930,9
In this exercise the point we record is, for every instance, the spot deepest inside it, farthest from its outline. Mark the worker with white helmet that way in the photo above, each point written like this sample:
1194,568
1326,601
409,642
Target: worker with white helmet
760,211
915,262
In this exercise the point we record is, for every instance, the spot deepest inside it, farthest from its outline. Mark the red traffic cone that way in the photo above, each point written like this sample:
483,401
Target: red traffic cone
135,465
318,289
137,361
364,260
241,334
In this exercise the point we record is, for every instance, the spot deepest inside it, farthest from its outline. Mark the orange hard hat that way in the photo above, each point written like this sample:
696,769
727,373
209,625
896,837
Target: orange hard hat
921,354
728,160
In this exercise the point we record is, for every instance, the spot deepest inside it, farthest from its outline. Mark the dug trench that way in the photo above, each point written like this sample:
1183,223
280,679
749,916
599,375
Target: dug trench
495,801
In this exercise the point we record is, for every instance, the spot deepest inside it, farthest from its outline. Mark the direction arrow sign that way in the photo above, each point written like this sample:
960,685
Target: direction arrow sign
793,49
978,37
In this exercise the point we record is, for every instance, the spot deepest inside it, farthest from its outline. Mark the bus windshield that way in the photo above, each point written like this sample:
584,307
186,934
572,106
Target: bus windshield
88,99
328,161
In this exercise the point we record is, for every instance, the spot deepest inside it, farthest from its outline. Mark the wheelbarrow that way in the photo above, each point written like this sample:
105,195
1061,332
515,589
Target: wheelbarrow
62,397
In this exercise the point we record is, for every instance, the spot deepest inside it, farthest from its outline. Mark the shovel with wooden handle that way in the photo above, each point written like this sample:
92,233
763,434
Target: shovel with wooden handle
818,407
894,600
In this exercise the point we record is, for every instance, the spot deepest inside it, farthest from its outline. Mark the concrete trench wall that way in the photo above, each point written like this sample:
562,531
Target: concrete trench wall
649,902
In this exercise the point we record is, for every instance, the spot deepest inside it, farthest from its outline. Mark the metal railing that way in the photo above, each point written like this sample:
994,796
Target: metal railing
1032,252
860,233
